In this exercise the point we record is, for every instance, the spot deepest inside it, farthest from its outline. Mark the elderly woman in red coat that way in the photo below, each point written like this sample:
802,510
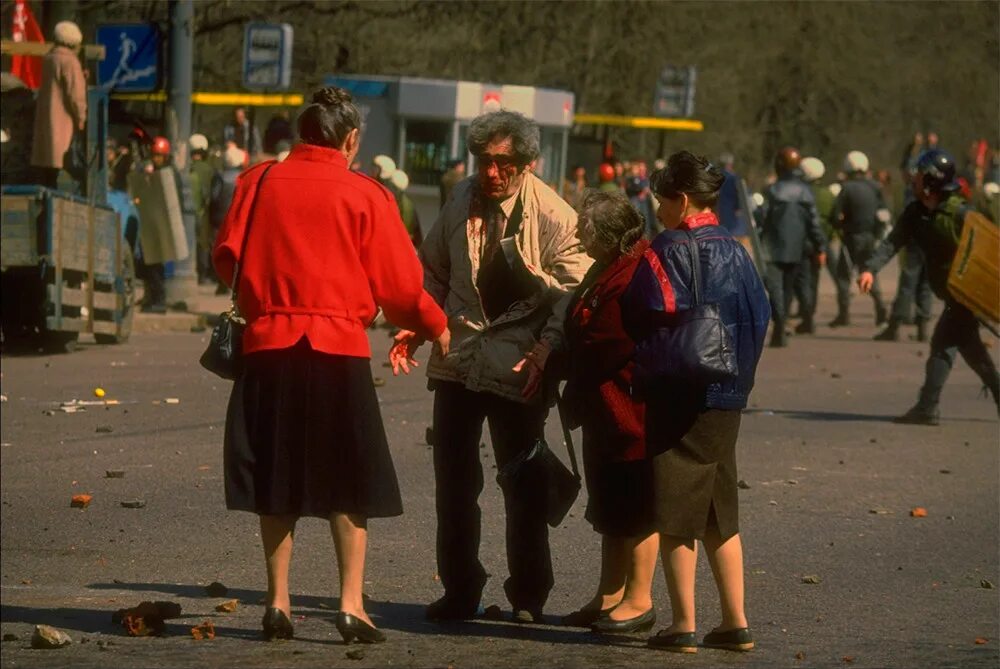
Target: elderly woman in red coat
304,436
598,397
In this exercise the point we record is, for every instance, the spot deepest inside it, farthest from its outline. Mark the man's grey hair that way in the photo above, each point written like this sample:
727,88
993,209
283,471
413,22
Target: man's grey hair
523,132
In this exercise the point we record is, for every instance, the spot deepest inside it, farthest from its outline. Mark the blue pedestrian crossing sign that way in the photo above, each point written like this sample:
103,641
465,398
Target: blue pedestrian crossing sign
132,61
267,55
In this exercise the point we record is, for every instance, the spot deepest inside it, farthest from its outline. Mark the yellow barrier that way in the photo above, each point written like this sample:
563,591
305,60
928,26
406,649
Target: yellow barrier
221,99
645,122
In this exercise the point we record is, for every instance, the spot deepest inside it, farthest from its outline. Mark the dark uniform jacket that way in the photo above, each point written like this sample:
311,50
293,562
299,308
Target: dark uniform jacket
935,232
854,211
790,221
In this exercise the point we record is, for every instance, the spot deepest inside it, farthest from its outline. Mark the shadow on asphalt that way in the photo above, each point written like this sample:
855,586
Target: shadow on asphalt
390,616
845,417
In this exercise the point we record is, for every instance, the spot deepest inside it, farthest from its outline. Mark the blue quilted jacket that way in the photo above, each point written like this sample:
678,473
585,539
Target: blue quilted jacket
662,283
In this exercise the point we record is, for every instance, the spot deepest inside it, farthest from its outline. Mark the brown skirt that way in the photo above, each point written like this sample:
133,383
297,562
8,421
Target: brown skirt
694,480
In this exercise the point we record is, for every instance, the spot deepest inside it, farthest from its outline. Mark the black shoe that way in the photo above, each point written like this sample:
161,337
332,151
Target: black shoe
890,333
276,625
778,339
527,617
805,327
840,321
921,331
640,623
919,416
738,639
584,617
446,609
680,642
352,627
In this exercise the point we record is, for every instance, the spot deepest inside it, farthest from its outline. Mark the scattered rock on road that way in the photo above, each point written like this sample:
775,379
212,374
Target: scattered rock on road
147,618
986,584
114,474
228,606
10,637
133,503
216,589
80,501
48,637
742,485
356,654
918,512
811,579
105,429
204,631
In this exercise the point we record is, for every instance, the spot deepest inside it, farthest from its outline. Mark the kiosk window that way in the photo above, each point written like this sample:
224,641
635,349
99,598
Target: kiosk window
426,154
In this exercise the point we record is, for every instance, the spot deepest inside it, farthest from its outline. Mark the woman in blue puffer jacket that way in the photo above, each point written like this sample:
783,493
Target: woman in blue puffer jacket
693,427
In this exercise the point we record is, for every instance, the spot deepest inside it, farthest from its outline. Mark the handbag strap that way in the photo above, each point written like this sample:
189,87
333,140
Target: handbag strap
246,233
568,438
695,266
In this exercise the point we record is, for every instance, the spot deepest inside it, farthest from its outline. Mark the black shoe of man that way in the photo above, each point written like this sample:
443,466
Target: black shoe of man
918,415
449,610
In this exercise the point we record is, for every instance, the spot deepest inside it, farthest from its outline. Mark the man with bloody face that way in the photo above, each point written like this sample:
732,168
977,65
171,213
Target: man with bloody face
501,260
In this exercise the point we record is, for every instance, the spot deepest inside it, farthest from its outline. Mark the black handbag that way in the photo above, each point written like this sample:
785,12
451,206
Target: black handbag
690,346
224,355
540,466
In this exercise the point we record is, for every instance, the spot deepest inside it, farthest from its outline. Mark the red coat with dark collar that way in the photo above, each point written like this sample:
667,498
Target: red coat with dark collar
598,392
326,248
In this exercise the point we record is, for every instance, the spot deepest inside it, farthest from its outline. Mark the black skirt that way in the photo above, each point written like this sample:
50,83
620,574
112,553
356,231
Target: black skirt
304,437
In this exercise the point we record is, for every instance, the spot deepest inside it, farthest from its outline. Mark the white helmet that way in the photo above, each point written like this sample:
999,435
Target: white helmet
386,166
855,161
400,180
68,34
812,169
835,188
234,157
198,142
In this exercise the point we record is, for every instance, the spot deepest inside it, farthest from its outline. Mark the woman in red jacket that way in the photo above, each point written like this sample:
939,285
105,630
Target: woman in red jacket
598,397
304,436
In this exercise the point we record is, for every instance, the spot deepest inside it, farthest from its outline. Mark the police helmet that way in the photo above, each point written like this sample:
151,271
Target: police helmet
787,159
938,170
812,169
855,161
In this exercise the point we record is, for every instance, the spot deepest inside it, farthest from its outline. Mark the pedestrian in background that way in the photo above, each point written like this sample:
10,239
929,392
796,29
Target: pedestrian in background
575,188
61,105
860,217
501,259
407,209
304,434
598,396
790,231
279,129
730,207
692,427
451,177
241,134
807,277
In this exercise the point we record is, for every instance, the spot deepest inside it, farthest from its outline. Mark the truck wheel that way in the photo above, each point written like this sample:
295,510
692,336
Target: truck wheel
128,313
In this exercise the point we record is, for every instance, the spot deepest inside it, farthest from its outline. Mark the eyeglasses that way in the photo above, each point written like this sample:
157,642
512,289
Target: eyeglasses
503,163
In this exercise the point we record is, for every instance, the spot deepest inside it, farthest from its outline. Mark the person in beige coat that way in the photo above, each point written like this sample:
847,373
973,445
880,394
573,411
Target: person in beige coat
502,260
61,107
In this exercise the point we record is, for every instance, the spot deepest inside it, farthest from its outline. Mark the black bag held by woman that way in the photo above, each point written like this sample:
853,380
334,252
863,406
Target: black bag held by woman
540,466
224,355
693,345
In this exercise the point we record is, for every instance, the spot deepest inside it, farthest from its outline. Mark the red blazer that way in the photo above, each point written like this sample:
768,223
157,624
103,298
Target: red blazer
598,390
326,246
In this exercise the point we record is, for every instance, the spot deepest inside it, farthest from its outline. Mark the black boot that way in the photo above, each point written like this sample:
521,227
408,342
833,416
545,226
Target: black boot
841,319
921,330
880,314
890,333
919,415
778,337
806,327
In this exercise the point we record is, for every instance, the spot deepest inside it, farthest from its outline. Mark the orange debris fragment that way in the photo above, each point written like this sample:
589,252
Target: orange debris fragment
918,512
80,501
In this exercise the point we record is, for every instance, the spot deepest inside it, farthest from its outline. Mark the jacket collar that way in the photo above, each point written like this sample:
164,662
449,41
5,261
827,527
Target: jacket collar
701,220
317,154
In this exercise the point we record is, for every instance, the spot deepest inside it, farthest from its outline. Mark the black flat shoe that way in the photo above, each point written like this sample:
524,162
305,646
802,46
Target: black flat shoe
738,639
352,627
276,625
679,642
640,623
446,609
585,617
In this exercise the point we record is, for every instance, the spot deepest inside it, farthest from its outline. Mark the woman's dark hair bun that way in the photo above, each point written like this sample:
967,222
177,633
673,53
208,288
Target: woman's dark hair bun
691,175
331,96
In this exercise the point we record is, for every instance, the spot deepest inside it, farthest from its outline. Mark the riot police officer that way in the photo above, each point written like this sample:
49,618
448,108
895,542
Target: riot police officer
934,223
790,225
859,215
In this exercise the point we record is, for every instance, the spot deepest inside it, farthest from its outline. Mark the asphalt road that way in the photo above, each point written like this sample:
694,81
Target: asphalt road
831,486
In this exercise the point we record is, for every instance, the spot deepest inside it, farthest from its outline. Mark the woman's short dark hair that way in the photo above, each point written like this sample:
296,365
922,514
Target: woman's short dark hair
329,119
611,219
689,175
523,132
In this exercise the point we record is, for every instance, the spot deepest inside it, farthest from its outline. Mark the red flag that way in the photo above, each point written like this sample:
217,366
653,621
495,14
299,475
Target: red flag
27,68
